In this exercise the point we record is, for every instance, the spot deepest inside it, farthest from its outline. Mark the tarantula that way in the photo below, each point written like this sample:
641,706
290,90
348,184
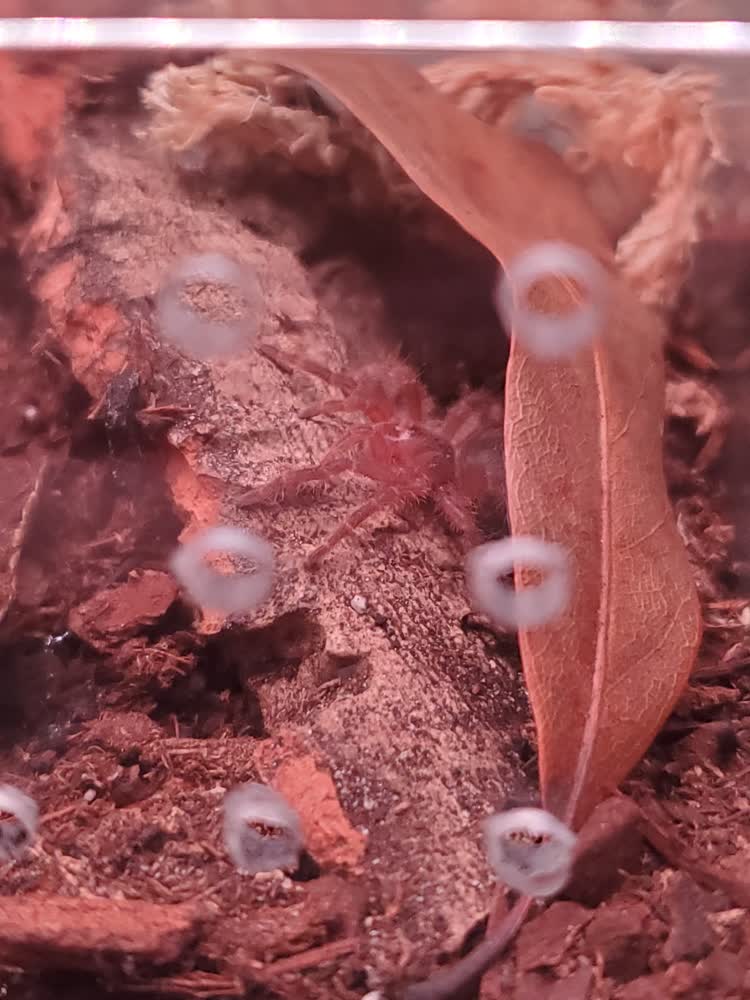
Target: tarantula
410,452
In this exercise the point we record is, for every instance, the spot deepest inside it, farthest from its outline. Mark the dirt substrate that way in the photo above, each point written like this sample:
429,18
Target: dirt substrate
364,690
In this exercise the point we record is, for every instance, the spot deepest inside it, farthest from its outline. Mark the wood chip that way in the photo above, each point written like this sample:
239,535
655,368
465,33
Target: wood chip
115,614
43,932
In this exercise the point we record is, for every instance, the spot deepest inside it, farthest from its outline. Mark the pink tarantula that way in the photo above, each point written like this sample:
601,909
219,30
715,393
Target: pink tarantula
410,452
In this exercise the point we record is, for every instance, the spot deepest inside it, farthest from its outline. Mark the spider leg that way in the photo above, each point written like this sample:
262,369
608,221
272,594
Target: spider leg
330,406
347,443
410,516
300,362
335,461
390,496
458,513
470,412
292,481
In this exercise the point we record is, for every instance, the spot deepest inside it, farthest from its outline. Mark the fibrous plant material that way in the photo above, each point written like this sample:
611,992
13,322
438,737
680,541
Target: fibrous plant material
640,143
208,305
261,830
231,111
248,112
233,593
553,337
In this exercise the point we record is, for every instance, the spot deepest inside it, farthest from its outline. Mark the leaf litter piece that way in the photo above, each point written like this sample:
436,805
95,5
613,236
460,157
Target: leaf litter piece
19,818
261,830
530,607
553,338
208,305
530,850
232,593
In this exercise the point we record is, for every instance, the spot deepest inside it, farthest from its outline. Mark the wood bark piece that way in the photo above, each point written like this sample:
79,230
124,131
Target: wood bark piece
609,844
412,718
43,933
27,136
113,615
329,836
545,939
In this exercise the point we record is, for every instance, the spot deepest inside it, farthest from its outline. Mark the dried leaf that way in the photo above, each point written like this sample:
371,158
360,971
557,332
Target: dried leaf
587,472
583,442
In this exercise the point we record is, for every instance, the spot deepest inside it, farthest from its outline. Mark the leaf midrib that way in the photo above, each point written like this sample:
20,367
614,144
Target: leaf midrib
591,725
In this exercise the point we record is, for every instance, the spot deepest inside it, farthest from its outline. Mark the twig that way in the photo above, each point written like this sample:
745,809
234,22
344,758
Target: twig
194,984
313,956
58,813
449,983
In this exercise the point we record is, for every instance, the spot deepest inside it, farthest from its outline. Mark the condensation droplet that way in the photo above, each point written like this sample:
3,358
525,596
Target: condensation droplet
209,305
554,337
233,593
19,824
530,850
529,607
261,830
